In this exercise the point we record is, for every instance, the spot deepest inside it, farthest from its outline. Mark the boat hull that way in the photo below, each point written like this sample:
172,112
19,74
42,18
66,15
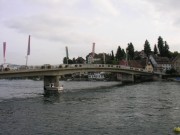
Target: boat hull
52,90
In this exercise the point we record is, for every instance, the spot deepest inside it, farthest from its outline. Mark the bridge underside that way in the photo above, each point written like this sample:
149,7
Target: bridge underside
133,78
52,75
51,79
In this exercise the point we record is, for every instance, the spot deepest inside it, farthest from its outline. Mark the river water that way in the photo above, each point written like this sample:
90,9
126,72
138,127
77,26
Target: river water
89,108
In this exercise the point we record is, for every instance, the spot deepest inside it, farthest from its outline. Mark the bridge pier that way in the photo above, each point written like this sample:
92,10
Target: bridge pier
125,78
51,84
133,78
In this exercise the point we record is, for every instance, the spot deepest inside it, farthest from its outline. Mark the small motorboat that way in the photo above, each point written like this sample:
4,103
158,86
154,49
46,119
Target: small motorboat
61,88
52,89
177,129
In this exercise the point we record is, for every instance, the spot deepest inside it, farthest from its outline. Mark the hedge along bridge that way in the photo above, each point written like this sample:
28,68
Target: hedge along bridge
52,74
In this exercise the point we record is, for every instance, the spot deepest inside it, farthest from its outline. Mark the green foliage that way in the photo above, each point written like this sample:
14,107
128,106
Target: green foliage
123,54
166,49
79,60
147,48
65,60
74,61
130,50
70,61
171,71
137,55
173,54
120,54
161,46
155,49
112,55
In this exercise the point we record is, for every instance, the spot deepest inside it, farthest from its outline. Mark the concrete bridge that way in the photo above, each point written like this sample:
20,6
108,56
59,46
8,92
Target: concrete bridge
52,74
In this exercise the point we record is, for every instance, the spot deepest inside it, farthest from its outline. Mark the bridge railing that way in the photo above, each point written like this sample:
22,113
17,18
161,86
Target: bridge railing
73,66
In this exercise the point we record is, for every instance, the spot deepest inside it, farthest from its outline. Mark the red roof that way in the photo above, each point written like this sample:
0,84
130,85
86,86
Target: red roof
134,63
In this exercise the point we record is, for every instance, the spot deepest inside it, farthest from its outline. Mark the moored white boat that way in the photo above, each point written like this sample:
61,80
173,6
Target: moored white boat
53,89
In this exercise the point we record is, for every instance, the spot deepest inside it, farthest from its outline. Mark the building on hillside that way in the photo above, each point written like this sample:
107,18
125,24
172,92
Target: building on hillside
90,59
149,67
133,63
97,59
176,63
160,64
139,55
142,54
123,63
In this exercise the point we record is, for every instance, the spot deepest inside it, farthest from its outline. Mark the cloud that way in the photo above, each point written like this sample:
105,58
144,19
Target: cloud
52,3
63,21
168,10
106,22
106,6
166,5
63,29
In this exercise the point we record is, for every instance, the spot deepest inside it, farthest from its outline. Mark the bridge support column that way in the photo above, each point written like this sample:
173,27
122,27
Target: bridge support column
133,78
51,84
51,79
128,78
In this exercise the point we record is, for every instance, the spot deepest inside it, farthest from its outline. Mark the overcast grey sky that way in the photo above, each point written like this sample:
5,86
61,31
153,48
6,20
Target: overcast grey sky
54,24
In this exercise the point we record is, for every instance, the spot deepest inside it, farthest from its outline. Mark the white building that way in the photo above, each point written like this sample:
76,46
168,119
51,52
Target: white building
7,67
160,63
96,76
149,67
92,60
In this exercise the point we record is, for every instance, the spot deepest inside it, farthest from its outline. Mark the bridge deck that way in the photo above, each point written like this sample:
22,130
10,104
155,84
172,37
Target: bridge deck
69,69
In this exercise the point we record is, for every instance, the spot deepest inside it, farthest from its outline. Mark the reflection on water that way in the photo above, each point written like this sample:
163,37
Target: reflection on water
92,108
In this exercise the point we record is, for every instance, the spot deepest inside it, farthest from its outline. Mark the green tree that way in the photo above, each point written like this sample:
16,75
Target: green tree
112,55
74,61
70,61
80,60
173,54
147,48
161,46
108,59
118,53
65,60
166,49
123,54
130,50
155,49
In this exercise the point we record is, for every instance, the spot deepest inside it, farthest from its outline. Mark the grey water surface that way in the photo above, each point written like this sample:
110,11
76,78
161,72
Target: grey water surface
89,108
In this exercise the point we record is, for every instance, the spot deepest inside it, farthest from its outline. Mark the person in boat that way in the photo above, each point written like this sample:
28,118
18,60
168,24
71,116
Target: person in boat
51,85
